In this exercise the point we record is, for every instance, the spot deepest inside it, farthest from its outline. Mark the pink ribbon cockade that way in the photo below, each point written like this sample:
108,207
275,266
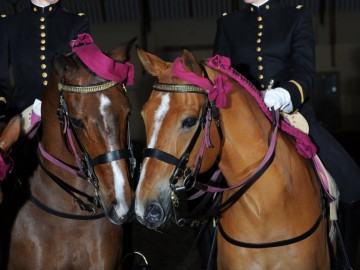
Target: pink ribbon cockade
219,91
101,64
219,62
216,92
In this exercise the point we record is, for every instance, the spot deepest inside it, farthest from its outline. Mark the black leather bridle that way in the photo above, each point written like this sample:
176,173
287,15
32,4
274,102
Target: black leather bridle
86,164
182,170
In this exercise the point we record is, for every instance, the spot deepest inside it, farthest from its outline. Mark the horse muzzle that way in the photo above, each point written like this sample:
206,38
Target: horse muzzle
154,216
118,216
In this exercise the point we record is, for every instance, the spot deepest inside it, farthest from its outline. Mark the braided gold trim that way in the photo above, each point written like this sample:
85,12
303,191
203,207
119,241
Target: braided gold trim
181,88
85,89
300,90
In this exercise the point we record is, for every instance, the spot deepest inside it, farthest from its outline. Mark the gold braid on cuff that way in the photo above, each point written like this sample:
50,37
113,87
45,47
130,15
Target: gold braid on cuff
300,90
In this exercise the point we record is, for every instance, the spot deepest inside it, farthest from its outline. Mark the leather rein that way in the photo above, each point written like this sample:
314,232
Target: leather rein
182,171
86,165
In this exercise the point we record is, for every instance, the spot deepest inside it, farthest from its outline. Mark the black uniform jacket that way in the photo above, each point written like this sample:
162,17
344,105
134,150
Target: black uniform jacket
273,41
28,41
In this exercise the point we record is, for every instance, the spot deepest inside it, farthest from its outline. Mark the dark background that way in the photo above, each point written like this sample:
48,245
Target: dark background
165,26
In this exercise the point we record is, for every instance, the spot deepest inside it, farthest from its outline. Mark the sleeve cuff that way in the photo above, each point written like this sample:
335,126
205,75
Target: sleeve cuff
296,92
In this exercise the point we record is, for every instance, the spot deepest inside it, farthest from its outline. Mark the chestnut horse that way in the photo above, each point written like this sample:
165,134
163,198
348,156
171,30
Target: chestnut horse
83,152
272,214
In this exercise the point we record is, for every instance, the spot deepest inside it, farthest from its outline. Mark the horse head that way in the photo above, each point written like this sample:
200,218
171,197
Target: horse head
174,117
85,124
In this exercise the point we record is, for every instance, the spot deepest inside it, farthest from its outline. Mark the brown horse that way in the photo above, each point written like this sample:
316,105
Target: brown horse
270,221
83,165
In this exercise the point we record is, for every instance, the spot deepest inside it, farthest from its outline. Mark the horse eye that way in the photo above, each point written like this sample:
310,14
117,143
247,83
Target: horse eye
189,122
77,123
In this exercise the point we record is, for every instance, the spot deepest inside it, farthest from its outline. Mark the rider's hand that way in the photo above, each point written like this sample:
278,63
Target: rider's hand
278,99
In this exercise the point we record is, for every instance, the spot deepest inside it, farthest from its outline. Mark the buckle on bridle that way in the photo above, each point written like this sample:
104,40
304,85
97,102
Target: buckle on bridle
189,179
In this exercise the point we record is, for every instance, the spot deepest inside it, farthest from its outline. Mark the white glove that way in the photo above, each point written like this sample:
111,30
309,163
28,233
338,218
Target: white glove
278,98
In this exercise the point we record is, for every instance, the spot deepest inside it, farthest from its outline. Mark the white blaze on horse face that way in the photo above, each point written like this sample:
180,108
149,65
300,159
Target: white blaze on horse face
119,177
159,116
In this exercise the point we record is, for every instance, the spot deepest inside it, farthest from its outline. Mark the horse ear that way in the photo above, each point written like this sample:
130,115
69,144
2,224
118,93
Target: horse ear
122,52
153,64
63,65
191,63
11,133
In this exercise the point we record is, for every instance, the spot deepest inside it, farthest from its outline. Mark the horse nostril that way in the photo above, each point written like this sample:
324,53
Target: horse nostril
119,215
154,215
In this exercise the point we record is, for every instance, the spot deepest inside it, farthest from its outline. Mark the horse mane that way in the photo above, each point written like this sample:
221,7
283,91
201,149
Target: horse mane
304,145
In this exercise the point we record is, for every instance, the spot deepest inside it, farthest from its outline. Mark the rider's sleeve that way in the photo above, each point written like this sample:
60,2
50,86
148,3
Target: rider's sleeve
302,71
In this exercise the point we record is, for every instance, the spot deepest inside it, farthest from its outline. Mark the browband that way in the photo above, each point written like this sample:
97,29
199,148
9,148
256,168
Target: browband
85,89
180,88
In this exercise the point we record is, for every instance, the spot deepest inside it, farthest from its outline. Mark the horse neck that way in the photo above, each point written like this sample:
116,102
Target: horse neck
246,130
247,133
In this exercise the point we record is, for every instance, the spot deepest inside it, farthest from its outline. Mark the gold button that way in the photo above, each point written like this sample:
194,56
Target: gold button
262,86
43,41
260,67
43,66
42,27
42,48
259,19
44,75
261,26
42,57
258,49
259,58
35,9
260,34
43,34
258,40
45,82
42,19
267,6
50,9
261,76
252,9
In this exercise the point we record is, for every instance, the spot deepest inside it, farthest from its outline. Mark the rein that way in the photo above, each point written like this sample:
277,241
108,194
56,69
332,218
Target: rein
276,243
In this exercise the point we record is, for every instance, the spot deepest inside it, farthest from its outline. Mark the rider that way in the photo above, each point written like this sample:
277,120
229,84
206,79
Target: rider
270,41
29,40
